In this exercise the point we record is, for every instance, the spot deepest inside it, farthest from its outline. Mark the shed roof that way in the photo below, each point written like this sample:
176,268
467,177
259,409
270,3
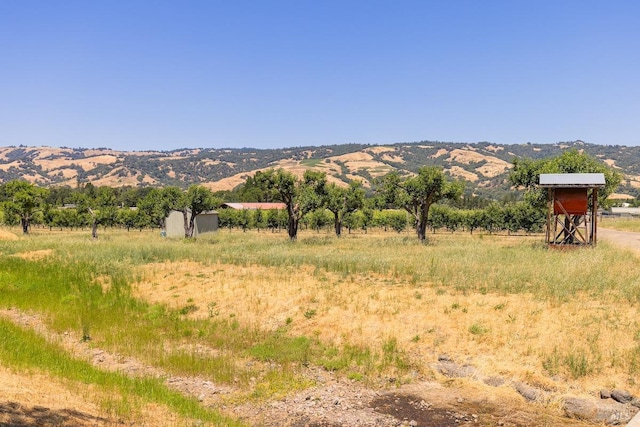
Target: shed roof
253,206
575,180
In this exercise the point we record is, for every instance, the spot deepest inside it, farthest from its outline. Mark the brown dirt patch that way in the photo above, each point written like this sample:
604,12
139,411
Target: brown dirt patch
625,239
345,403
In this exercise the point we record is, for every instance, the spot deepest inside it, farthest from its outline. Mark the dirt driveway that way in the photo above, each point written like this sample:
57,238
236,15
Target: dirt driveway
626,239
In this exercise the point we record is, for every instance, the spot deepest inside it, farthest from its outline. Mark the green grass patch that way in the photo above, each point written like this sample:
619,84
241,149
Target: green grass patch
25,350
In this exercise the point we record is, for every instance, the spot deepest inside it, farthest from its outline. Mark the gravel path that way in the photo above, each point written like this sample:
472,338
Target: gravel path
626,239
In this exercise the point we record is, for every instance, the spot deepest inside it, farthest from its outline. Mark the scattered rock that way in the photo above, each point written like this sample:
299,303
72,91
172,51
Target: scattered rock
453,370
494,381
532,394
612,413
621,396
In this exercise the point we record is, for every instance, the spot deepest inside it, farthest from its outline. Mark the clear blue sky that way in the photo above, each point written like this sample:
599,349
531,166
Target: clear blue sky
142,74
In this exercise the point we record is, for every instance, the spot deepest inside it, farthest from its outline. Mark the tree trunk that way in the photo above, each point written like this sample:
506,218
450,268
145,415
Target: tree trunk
337,224
292,225
94,230
421,223
293,229
25,225
188,231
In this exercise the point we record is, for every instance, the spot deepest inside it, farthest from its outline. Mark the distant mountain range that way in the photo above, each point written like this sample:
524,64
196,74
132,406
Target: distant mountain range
485,166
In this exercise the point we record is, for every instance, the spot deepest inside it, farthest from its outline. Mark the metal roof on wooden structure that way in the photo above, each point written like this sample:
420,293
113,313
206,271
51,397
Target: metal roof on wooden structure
254,206
572,180
573,203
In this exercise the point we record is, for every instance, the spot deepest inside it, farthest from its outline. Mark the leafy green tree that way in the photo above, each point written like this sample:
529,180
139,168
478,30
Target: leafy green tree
492,218
342,201
317,219
438,217
300,196
100,204
259,219
245,219
365,216
275,219
59,196
51,216
528,218
251,191
127,217
472,219
197,200
159,202
416,194
23,201
526,174
397,220
453,219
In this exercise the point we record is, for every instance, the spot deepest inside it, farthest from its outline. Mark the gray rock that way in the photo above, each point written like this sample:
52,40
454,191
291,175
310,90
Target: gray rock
621,396
612,413
494,381
532,394
454,370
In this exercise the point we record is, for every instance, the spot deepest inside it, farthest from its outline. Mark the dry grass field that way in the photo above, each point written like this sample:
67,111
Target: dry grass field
253,314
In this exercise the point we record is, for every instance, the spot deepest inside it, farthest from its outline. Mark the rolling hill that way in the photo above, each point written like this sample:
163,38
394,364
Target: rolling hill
485,166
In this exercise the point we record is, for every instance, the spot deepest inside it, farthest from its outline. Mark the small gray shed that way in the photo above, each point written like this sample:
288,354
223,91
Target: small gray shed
205,222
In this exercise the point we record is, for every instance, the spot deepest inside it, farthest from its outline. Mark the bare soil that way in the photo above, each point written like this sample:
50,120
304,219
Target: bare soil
625,239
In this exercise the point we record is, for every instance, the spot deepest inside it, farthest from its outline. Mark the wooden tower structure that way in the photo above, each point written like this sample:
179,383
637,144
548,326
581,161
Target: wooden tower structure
573,206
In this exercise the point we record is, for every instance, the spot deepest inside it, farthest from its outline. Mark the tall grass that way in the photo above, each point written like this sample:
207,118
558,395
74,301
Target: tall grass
85,286
458,262
622,224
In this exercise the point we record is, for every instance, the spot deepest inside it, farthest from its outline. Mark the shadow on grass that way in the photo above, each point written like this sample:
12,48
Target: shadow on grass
17,415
